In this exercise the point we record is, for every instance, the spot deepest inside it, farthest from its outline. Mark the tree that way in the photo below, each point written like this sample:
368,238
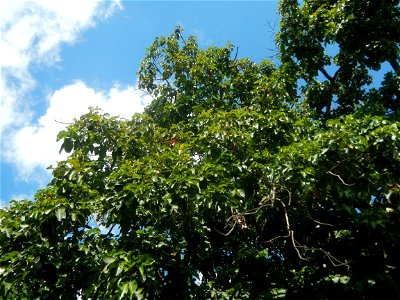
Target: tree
239,181
363,35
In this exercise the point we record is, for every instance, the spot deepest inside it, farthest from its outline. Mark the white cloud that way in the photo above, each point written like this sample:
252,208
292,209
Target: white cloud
31,33
33,147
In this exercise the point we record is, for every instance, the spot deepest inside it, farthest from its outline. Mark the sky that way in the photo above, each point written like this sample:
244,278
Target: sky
60,57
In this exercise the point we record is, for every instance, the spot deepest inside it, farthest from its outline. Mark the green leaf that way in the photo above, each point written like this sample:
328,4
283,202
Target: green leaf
67,145
109,260
61,213
124,291
119,270
241,192
142,273
132,285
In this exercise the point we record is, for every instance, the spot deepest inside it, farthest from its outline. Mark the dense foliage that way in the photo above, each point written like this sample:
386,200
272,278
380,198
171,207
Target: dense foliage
240,180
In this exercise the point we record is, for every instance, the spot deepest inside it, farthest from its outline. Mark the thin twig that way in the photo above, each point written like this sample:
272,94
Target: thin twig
233,227
344,160
144,91
110,230
275,238
335,262
318,222
254,210
229,232
340,178
159,72
237,50
64,123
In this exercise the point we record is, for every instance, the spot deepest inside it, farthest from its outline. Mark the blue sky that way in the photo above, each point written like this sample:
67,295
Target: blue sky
60,57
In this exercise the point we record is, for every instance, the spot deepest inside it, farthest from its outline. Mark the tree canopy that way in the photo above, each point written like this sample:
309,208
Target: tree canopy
240,180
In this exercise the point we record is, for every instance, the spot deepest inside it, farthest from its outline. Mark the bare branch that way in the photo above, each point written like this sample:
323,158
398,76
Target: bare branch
110,230
290,197
335,262
272,28
183,40
340,178
318,222
229,232
255,210
290,231
275,238
296,247
329,77
238,218
64,123
236,54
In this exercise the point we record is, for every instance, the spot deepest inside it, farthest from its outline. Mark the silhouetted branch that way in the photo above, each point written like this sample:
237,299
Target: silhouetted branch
64,123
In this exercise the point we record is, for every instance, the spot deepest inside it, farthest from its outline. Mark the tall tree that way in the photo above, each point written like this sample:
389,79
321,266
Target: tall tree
239,181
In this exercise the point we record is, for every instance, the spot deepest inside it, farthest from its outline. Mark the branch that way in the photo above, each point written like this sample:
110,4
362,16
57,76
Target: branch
394,64
145,92
275,238
229,232
161,74
338,163
254,210
318,222
110,230
181,37
273,33
297,247
290,231
337,72
237,50
64,123
329,77
332,88
335,262
340,178
271,28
